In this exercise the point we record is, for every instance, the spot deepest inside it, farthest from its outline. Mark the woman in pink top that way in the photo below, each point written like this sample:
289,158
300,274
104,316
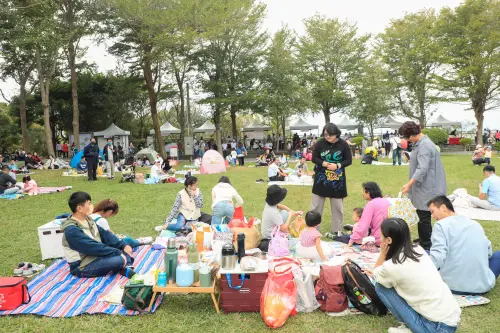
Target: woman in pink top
374,213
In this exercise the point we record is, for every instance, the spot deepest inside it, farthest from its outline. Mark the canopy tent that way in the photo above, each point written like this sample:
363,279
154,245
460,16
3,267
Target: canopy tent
301,125
148,152
116,133
441,121
167,129
391,123
347,124
207,127
256,126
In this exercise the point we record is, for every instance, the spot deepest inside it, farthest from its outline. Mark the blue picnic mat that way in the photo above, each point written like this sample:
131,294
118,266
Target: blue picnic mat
56,293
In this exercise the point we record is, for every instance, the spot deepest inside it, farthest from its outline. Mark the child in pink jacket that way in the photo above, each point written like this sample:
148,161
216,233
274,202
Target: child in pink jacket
30,186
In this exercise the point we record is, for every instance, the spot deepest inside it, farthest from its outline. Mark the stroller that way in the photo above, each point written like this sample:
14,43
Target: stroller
128,169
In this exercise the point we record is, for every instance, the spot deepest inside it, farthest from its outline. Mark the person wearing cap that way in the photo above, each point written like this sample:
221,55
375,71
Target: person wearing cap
156,171
275,214
478,156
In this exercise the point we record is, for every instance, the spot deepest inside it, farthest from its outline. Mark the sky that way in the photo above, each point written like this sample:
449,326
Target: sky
371,17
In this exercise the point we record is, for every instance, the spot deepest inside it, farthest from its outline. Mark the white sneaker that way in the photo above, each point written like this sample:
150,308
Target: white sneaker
145,240
159,228
400,329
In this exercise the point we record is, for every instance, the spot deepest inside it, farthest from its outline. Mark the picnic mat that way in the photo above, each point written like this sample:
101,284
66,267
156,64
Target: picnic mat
386,163
184,172
11,196
463,207
56,293
47,190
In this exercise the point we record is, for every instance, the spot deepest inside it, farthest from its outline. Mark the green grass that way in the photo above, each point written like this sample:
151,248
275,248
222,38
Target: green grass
142,207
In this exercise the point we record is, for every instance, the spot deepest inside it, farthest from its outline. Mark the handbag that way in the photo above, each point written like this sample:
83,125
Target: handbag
278,246
403,208
13,293
252,236
137,296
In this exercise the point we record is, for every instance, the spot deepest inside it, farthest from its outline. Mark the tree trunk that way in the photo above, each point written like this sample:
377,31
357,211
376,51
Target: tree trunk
148,77
22,115
74,95
44,91
218,138
182,113
479,114
234,129
326,113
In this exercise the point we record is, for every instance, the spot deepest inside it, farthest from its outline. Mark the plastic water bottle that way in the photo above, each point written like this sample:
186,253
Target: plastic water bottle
162,279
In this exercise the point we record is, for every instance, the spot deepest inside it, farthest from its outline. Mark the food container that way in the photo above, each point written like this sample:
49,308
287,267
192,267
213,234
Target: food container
260,255
184,276
228,257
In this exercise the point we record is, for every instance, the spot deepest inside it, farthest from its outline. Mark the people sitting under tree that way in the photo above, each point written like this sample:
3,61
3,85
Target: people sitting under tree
7,182
274,172
461,251
13,166
301,168
478,156
90,250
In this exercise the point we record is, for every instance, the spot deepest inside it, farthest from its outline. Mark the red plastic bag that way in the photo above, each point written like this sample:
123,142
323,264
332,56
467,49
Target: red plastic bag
238,214
279,296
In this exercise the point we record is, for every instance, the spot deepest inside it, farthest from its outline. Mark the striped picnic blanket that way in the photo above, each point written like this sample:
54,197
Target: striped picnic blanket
56,293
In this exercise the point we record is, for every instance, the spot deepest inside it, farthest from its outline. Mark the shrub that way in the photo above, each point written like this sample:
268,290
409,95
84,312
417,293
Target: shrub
357,141
497,146
465,141
438,135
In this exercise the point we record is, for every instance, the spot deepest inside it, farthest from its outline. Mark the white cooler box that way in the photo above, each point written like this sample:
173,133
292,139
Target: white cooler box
50,236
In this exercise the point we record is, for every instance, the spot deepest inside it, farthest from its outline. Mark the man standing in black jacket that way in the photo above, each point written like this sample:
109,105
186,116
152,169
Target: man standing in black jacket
91,153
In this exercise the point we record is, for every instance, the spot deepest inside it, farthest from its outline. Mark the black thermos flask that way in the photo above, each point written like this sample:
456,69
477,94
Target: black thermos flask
241,246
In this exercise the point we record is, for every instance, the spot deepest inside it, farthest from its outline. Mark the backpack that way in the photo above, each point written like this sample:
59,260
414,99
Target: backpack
360,290
278,246
137,296
330,291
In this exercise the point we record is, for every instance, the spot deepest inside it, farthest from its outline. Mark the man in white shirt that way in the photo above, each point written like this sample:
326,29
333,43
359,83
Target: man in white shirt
395,142
274,173
224,149
233,144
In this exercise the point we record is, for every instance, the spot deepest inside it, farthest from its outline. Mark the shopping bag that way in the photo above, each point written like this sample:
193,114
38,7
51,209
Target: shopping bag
306,296
403,208
223,233
279,295
252,237
238,213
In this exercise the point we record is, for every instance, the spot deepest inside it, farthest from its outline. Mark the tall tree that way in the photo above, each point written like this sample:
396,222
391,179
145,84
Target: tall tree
373,95
16,53
408,47
471,43
331,54
78,19
284,96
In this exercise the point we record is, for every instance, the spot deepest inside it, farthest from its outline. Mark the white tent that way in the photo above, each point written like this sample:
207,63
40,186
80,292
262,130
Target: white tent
391,123
207,127
441,121
167,129
256,126
301,125
347,124
116,133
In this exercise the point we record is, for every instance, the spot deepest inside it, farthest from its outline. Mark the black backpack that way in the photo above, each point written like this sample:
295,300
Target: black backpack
360,290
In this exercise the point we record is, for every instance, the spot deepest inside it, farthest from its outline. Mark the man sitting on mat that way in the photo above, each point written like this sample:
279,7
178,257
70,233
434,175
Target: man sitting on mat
489,191
274,172
90,250
461,251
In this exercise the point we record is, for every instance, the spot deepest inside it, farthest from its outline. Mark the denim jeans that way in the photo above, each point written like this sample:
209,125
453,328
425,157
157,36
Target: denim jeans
405,313
12,190
104,265
180,224
223,212
396,153
132,242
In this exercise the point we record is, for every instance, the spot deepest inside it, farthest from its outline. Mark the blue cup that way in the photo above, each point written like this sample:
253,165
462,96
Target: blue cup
162,279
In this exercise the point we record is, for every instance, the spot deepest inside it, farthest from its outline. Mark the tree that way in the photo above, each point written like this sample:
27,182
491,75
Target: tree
372,96
471,44
8,131
408,47
16,52
284,96
78,19
331,55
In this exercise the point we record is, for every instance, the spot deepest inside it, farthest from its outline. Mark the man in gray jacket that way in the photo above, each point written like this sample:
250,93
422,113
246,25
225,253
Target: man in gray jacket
427,178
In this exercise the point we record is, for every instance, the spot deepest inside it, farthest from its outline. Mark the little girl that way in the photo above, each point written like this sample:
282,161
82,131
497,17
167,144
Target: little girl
487,155
310,245
234,155
30,186
108,208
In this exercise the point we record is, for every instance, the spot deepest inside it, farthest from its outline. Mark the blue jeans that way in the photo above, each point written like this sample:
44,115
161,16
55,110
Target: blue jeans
405,313
132,242
396,153
104,265
12,190
223,212
180,224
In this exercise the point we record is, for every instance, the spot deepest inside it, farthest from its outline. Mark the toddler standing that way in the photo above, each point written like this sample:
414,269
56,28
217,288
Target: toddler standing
487,155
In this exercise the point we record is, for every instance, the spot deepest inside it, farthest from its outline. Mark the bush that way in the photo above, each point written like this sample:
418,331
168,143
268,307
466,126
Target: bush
357,141
497,146
438,135
465,142
37,139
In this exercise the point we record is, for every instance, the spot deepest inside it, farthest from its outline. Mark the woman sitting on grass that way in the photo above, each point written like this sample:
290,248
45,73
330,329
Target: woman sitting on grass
187,207
410,285
108,208
30,186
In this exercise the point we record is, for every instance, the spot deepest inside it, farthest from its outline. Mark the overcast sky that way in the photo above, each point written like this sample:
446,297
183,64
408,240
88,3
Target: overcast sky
371,16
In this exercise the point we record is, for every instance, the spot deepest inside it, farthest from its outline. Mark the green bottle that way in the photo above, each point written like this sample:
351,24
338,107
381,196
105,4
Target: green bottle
171,261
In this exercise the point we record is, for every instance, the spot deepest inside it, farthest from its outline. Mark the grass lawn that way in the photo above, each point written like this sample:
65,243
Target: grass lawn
142,207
